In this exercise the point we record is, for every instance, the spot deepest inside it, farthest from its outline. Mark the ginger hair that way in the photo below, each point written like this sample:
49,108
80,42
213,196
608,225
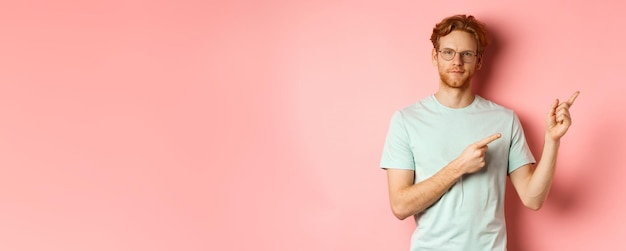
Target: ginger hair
465,23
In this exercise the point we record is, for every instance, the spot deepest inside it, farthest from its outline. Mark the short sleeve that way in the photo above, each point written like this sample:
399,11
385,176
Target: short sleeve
519,153
397,152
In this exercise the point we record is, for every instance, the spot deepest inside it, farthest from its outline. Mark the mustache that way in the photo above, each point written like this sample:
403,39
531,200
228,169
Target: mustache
456,69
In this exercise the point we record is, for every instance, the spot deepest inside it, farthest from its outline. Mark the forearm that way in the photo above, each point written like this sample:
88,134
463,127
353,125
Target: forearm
416,198
541,179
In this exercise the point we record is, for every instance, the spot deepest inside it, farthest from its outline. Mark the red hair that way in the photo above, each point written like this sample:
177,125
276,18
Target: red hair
465,23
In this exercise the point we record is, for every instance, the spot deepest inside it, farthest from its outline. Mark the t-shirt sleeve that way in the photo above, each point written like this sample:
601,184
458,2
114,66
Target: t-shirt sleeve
519,153
397,152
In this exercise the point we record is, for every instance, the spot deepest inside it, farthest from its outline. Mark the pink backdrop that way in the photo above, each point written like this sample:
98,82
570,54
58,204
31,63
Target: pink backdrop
258,125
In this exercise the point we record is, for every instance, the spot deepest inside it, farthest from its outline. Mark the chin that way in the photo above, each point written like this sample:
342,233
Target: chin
457,84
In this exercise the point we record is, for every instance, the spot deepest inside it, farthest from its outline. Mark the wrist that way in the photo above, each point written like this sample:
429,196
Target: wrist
456,168
551,140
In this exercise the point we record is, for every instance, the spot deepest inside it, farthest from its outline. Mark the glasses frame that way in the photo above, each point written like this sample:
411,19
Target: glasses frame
464,58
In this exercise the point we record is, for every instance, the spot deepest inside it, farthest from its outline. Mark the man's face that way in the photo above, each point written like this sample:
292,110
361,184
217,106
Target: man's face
456,72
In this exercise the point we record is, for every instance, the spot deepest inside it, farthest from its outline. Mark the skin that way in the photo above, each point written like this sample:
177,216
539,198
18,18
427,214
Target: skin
531,182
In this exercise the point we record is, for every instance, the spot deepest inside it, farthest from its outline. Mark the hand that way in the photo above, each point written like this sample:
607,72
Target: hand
559,119
472,159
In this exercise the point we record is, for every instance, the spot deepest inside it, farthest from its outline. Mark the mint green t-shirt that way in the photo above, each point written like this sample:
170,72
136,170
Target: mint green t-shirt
425,137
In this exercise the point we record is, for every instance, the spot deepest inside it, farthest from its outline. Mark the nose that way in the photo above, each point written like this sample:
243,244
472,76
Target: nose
457,59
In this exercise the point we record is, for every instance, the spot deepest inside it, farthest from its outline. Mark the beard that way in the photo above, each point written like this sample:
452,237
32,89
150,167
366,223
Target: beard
461,82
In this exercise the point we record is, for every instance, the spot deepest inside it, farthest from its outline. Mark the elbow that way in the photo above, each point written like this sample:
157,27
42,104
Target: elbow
400,211
400,216
534,205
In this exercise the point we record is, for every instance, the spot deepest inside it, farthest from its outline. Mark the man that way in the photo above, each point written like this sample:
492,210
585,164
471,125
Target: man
447,156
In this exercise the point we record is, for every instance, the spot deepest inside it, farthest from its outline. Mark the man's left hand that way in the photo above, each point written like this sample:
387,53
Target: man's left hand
559,119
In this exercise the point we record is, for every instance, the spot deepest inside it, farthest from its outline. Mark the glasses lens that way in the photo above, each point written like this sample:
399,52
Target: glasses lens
447,54
468,56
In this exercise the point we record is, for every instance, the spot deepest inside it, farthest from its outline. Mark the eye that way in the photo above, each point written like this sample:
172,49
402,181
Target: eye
447,52
468,54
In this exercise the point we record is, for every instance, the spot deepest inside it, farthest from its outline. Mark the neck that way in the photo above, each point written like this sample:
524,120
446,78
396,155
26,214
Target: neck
455,97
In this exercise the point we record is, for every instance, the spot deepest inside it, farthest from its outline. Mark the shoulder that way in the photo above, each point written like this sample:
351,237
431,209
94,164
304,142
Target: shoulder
423,105
483,104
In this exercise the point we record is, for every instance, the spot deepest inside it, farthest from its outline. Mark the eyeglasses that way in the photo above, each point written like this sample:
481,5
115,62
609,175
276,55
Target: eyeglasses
466,56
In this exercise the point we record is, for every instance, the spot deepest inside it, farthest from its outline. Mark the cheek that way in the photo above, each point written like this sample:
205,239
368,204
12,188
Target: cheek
443,64
471,68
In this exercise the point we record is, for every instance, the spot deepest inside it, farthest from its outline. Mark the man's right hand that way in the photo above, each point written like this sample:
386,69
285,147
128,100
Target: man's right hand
472,159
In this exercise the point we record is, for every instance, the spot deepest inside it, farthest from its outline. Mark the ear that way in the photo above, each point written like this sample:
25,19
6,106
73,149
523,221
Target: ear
434,57
479,63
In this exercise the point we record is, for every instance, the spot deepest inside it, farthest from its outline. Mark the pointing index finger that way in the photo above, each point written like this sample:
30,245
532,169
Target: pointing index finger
571,99
488,140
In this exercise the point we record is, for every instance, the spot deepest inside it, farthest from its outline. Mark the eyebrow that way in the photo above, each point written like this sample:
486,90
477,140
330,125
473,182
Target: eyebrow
446,48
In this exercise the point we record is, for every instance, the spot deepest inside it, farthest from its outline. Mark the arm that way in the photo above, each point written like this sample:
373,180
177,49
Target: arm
408,199
533,183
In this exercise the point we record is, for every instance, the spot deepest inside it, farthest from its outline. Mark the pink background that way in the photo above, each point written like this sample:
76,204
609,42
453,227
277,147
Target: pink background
258,125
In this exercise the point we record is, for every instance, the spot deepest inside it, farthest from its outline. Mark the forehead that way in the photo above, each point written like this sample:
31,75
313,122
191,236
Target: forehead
458,40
